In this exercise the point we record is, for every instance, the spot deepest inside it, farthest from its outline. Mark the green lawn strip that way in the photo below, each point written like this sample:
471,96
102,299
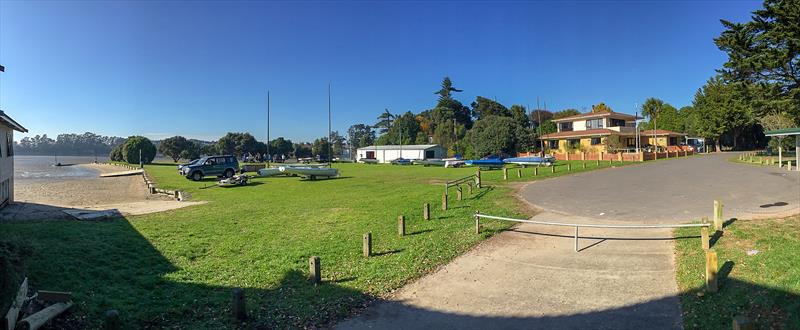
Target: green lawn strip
177,268
764,287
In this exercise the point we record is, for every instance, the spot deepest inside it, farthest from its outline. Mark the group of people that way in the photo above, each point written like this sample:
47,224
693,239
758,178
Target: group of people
258,158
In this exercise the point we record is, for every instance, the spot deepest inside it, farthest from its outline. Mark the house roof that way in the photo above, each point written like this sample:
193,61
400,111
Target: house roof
590,115
397,147
658,132
783,132
6,120
588,132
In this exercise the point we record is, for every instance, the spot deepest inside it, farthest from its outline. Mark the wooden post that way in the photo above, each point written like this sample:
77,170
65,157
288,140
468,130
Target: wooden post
619,156
583,164
553,168
458,193
519,173
743,323
711,271
536,171
444,202
598,161
111,320
569,166
314,269
505,173
583,155
478,179
426,211
401,225
366,244
717,215
238,305
469,188
477,225
704,238
16,305
41,317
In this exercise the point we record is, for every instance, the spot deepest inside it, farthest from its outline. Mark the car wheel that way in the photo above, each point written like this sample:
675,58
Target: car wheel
229,173
197,176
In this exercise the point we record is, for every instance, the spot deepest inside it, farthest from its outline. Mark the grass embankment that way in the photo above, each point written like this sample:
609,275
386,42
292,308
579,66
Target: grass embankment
764,286
766,160
177,268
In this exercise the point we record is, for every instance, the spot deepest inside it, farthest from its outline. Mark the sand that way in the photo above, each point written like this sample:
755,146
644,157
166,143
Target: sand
36,199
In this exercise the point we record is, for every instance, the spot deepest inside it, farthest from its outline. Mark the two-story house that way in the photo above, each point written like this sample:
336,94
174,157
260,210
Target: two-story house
604,132
7,128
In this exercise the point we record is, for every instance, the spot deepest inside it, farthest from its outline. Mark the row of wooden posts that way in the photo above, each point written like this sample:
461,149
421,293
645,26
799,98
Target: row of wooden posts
753,157
552,168
151,186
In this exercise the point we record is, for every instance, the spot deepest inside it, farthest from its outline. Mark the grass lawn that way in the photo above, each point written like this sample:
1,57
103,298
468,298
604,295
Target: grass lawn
764,287
177,268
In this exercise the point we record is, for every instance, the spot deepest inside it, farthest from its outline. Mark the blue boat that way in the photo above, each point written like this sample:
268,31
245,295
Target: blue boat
535,160
486,162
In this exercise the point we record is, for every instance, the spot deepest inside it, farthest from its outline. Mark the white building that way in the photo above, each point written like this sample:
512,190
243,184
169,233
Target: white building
388,153
7,128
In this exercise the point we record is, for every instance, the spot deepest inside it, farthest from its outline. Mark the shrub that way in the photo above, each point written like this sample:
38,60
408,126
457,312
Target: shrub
116,154
132,146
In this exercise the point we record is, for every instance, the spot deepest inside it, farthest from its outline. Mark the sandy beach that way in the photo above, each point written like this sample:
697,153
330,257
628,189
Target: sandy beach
47,198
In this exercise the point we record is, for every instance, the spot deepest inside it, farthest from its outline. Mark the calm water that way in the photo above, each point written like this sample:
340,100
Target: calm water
41,167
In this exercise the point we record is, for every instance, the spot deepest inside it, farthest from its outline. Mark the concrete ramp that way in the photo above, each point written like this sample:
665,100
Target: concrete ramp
92,214
123,173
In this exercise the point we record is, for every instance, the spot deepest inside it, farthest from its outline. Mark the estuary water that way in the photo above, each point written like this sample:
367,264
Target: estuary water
43,167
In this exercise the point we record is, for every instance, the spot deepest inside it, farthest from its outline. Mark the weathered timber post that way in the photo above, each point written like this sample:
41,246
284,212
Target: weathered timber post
704,242
314,270
469,188
366,244
401,225
569,166
519,173
717,215
478,179
238,306
505,173
111,320
598,162
536,170
444,202
426,211
711,271
583,164
477,223
553,168
458,193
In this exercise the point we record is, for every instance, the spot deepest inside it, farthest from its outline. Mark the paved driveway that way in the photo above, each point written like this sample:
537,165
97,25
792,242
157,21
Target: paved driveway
671,190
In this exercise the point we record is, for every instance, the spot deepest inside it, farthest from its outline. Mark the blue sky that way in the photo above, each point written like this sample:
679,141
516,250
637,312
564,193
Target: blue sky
201,69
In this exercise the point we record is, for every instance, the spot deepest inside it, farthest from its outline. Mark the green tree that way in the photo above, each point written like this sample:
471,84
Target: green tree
447,89
191,151
302,150
483,107
116,154
238,144
601,108
492,135
173,147
405,126
320,148
360,135
565,113
764,55
281,146
136,146
718,110
338,143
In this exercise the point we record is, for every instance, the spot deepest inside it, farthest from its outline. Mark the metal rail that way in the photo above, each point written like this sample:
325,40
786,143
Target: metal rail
478,216
456,182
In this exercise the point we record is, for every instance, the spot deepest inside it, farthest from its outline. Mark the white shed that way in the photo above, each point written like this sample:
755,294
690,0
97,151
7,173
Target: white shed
7,128
388,153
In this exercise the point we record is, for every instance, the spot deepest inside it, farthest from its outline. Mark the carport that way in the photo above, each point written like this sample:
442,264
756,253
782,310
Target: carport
782,133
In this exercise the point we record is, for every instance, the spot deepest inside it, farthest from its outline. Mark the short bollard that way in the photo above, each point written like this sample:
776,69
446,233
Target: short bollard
238,305
743,323
477,224
315,276
444,202
426,211
367,244
553,168
583,164
401,225
458,193
469,188
704,238
478,179
717,215
112,320
519,173
505,173
598,162
536,171
711,271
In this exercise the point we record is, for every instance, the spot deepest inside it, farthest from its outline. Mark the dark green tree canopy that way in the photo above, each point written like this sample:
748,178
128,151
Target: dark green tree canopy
565,113
281,146
360,135
483,107
173,146
492,135
238,144
447,89
132,147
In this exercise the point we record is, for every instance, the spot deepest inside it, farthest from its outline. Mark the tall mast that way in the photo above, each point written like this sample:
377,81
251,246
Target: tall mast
269,155
330,140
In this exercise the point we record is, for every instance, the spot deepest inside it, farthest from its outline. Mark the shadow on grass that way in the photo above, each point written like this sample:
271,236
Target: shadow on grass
386,253
420,232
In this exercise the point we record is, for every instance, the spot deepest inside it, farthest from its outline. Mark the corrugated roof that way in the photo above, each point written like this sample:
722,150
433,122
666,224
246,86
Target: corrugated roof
783,132
5,119
397,147
659,132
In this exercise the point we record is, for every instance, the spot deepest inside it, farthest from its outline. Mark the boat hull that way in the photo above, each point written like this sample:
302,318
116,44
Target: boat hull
310,172
537,161
430,162
272,171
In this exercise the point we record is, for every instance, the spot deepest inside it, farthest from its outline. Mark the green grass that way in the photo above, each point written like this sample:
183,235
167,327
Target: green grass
764,287
177,268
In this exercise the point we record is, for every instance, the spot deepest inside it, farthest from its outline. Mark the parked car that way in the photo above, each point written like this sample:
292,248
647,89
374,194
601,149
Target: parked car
219,166
181,167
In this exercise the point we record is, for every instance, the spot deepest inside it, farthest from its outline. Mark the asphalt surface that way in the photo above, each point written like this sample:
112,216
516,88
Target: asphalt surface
671,190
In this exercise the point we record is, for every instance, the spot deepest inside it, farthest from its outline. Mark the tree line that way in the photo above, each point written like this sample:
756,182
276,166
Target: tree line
86,144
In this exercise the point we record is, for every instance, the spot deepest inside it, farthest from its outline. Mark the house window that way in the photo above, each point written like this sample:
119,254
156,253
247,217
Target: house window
631,142
565,127
553,144
594,123
617,122
596,141
673,140
574,142
430,154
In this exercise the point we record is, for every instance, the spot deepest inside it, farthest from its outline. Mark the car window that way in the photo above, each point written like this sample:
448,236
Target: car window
210,161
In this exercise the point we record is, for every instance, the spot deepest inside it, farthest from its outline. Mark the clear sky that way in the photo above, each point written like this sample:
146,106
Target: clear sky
201,69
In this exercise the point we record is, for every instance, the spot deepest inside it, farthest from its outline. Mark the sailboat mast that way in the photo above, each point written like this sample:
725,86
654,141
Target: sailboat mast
269,155
330,141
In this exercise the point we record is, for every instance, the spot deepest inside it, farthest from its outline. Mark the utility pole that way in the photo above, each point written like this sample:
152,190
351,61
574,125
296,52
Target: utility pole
269,155
330,142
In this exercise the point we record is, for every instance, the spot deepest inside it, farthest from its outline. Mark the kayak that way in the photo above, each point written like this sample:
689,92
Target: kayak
310,172
491,162
547,161
272,171
401,161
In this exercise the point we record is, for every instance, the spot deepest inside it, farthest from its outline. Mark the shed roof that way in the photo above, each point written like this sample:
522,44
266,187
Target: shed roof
783,132
590,115
6,120
404,147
